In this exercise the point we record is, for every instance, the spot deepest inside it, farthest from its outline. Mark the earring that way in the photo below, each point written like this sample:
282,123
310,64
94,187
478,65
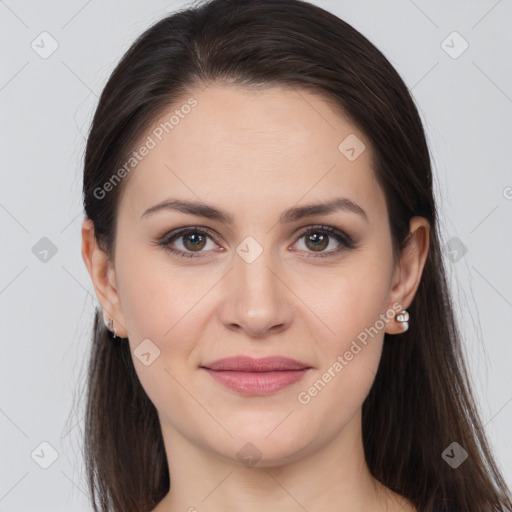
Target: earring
403,317
110,327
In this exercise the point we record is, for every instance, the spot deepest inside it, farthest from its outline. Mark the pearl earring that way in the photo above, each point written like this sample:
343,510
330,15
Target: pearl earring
403,317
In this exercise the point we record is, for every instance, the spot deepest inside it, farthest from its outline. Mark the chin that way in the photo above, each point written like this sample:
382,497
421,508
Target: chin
259,449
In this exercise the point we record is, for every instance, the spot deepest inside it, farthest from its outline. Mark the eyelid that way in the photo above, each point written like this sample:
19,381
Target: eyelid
345,240
174,234
330,230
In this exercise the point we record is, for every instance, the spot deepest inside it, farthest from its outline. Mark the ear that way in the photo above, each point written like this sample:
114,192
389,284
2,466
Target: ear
102,272
409,269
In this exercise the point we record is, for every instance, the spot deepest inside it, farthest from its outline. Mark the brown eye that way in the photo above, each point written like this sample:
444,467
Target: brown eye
194,242
318,238
186,242
316,241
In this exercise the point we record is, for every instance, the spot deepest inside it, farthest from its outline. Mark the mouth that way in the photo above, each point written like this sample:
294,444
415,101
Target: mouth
262,376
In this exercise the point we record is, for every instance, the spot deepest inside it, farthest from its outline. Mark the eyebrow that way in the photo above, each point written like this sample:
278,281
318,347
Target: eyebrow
291,215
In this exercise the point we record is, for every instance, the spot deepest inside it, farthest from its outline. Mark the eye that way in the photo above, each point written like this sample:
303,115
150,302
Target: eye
192,240
318,238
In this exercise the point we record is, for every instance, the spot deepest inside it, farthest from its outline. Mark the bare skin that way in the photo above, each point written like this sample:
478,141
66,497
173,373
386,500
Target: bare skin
256,154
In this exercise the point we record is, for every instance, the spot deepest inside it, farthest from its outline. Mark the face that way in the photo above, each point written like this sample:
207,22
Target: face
271,278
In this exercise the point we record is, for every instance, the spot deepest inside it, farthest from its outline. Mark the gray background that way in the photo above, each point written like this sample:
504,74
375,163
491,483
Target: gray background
47,104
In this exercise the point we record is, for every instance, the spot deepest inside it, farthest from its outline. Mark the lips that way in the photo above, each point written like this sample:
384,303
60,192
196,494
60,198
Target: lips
249,364
263,376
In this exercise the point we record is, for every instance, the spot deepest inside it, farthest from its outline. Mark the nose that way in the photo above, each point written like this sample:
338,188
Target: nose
256,299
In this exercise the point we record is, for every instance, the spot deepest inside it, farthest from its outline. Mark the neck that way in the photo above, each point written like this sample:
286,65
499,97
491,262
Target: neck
333,476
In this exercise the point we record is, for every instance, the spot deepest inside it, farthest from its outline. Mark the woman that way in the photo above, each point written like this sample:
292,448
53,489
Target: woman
276,329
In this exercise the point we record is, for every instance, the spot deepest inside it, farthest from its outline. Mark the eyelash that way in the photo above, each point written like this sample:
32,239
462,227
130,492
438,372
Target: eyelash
346,241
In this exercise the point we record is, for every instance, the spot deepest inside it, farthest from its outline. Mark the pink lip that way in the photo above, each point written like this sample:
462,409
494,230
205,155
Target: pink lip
256,376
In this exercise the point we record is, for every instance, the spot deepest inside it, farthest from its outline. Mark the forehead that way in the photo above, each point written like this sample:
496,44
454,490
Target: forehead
247,148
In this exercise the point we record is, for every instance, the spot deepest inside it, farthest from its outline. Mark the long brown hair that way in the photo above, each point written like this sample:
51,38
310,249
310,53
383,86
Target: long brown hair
421,401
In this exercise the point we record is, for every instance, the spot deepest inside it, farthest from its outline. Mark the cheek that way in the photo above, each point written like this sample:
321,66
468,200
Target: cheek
155,295
358,297
353,297
350,353
169,305
348,298
160,304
